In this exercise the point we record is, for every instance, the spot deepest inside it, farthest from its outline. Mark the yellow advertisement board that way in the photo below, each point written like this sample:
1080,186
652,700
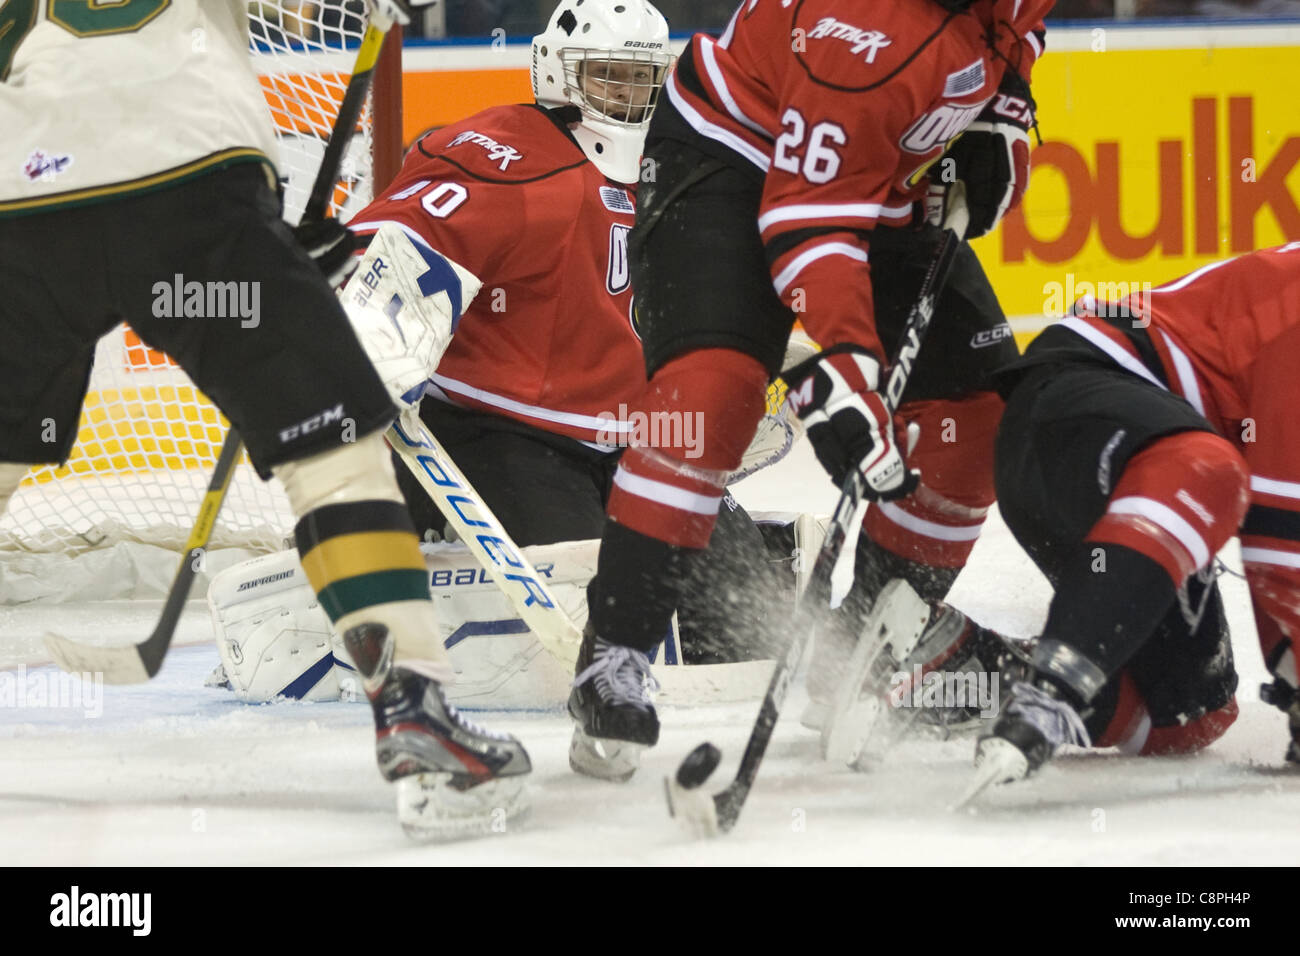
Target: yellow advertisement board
1153,163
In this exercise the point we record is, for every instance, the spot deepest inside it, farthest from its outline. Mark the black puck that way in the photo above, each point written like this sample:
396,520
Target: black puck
697,766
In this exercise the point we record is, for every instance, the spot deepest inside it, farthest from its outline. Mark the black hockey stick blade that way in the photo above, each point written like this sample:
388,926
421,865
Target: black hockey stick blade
136,663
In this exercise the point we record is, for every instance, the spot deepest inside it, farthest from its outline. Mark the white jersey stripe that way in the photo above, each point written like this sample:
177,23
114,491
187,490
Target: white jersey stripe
929,529
1034,44
1186,374
1081,328
375,224
666,494
1271,486
808,256
1161,514
1283,559
842,210
712,130
1191,277
609,425
720,84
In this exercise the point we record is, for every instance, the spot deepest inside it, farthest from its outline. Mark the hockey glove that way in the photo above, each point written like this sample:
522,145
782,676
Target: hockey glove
330,245
834,394
399,11
992,159
404,302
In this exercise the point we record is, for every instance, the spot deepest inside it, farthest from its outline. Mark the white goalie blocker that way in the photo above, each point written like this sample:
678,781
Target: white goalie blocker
404,301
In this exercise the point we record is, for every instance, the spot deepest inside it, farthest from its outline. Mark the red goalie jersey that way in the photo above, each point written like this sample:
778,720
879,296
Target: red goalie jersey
845,129
549,340
1227,339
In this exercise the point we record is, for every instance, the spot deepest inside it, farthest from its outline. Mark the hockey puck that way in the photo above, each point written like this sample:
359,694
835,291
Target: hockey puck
697,766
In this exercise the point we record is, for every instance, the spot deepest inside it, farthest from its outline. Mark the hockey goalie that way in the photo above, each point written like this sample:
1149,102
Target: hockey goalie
533,392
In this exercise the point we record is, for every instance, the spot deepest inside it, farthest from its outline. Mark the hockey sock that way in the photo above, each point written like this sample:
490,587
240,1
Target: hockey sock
1109,600
691,429
938,524
360,551
363,560
636,587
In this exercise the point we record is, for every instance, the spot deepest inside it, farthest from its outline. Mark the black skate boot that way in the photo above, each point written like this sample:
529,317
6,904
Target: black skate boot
1034,724
1285,698
453,777
917,665
611,705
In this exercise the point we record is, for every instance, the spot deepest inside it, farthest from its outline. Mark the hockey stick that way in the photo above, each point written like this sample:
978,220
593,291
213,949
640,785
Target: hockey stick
710,814
486,539
136,663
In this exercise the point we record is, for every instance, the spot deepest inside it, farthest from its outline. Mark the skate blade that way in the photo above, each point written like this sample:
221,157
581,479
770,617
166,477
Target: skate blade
897,621
431,810
846,736
996,762
604,759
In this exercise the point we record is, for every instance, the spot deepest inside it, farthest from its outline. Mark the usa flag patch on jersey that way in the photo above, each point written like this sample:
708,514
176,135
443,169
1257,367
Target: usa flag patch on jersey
616,200
966,80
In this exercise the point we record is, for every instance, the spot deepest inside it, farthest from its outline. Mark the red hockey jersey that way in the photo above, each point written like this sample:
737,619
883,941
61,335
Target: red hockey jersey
843,107
549,339
1227,338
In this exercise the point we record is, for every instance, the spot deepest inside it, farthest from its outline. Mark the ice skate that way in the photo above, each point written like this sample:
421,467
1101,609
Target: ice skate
611,705
1034,724
453,778
1287,699
881,694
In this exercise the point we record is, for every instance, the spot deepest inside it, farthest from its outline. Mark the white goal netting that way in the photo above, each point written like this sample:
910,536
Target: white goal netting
148,440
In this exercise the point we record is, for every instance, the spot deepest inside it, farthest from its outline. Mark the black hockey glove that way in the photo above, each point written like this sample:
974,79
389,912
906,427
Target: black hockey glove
834,394
399,11
330,245
991,158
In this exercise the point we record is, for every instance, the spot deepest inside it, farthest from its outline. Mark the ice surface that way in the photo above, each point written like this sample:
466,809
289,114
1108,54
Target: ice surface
175,773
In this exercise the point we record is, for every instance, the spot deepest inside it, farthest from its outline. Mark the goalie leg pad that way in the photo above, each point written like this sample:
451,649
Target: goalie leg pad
272,634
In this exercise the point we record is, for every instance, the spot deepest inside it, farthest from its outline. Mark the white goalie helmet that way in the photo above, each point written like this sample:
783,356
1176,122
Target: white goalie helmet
609,58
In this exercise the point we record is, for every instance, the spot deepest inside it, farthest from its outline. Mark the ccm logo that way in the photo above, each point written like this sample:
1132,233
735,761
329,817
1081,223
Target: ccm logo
312,424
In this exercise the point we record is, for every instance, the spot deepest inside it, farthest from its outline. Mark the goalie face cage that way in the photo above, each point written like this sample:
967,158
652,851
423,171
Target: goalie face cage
148,440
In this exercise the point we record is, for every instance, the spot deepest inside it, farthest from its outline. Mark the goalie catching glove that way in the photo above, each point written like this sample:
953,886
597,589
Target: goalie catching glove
991,158
835,396
404,301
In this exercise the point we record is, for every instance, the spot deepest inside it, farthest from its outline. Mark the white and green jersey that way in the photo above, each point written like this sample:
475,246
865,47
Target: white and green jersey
100,99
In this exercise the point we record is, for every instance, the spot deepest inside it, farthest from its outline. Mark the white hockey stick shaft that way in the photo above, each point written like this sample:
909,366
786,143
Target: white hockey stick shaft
484,535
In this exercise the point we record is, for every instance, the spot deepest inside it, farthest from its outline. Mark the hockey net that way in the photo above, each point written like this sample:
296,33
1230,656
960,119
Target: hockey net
148,439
